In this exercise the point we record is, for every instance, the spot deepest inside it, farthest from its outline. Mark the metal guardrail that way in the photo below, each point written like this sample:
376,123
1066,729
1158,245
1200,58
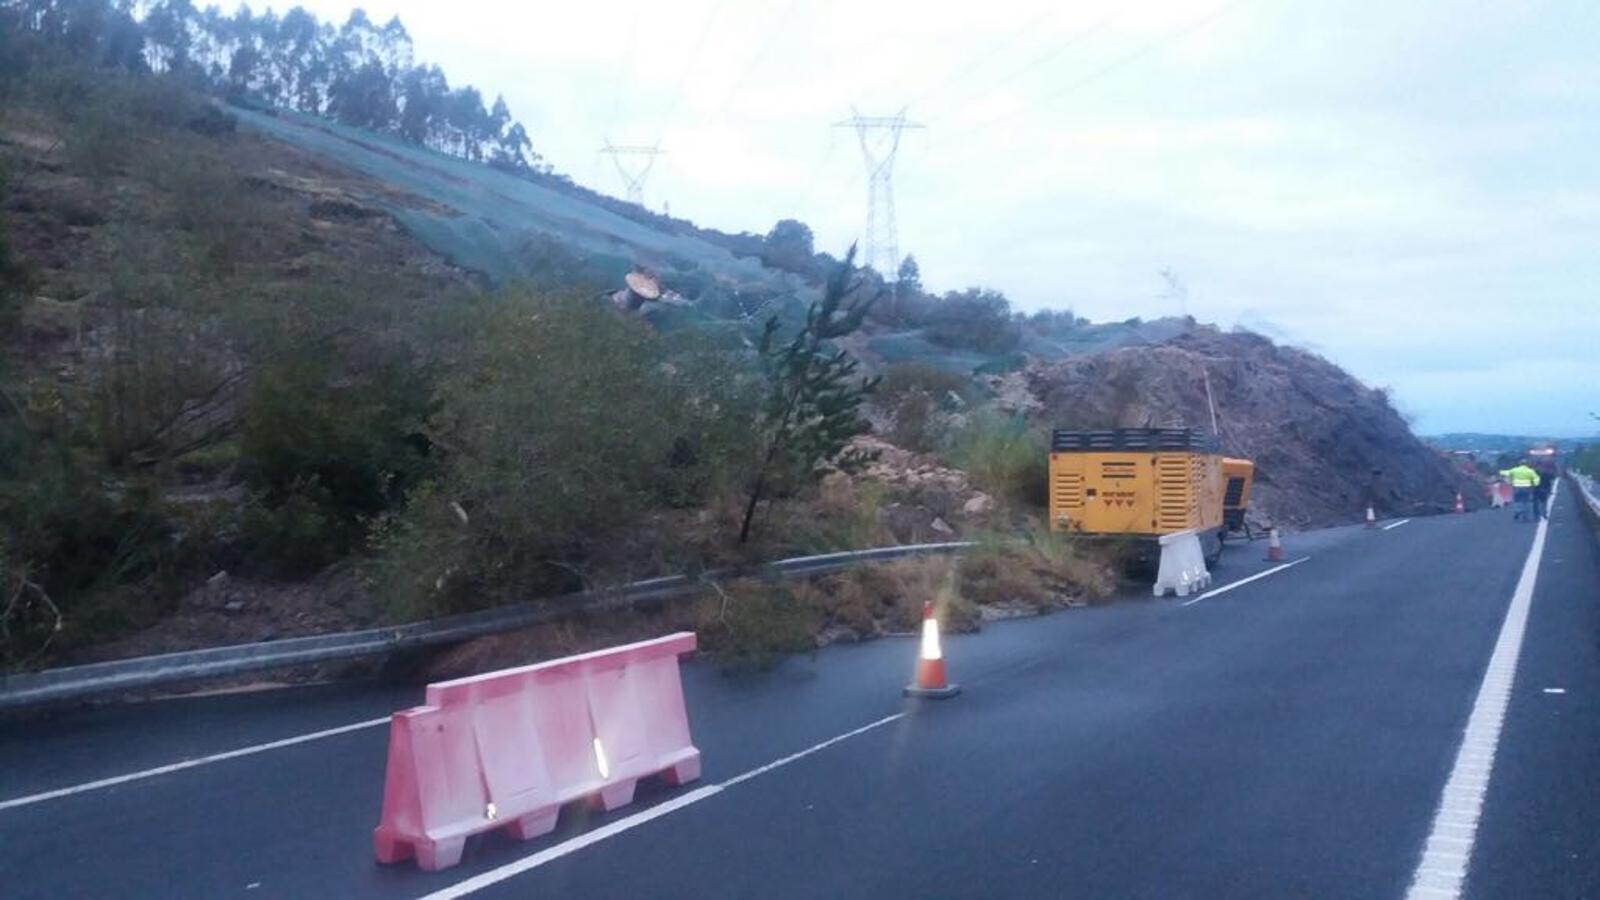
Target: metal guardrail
1589,491
95,679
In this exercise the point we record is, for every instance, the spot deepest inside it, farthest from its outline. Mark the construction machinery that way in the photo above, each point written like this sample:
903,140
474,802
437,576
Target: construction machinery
1143,483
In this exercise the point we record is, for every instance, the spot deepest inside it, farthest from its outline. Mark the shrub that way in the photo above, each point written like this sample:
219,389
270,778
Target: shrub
975,319
335,444
753,624
813,403
103,561
843,516
296,533
1004,458
916,396
1041,573
919,377
569,422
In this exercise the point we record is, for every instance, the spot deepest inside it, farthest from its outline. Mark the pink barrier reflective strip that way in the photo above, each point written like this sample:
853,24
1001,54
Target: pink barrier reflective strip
510,747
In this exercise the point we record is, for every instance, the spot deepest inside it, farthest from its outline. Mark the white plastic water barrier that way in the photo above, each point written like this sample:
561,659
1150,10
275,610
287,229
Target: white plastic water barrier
1183,565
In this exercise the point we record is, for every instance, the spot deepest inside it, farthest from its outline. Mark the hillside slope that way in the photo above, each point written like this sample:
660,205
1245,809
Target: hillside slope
1324,444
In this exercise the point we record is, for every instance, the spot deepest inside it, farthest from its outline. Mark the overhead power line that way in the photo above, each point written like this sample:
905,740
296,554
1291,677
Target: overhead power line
1110,68
688,65
987,54
1053,53
759,55
624,79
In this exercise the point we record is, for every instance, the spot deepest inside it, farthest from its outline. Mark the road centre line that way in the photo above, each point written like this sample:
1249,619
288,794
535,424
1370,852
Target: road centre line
1393,525
1244,581
550,854
188,764
1442,872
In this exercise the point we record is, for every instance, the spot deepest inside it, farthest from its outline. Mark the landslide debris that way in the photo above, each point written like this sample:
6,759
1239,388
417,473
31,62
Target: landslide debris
1324,444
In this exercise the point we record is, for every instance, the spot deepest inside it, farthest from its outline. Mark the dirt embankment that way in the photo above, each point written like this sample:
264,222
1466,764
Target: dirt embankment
1324,444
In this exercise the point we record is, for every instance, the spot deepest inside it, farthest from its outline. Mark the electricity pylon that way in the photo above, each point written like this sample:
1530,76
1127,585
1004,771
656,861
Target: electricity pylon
633,177
880,140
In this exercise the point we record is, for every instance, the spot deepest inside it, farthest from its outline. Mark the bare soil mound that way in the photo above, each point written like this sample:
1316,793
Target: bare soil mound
1324,444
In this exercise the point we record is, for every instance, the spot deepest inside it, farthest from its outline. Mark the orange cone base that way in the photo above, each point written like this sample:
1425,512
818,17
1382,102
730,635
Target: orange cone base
931,681
938,693
1274,554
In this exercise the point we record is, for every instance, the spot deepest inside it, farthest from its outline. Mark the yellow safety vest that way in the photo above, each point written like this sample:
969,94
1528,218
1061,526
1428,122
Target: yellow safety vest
1523,477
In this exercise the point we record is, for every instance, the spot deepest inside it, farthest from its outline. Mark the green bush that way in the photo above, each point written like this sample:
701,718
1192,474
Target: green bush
754,624
975,319
569,421
357,433
917,396
297,533
103,560
1004,458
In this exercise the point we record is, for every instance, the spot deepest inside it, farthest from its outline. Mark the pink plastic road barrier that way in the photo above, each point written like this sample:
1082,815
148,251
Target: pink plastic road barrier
508,748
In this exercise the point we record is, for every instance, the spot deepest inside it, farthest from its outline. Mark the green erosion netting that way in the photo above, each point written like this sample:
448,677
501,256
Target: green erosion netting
495,223
914,346
496,213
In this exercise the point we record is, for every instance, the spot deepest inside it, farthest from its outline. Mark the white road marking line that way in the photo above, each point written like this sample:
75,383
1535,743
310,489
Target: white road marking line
1555,690
1244,581
188,764
550,854
1394,525
1442,870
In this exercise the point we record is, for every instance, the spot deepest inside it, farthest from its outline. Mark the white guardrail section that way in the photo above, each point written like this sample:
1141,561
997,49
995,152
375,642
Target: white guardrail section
1589,490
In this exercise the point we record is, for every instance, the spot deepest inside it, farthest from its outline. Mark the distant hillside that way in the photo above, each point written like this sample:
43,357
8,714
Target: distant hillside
1477,442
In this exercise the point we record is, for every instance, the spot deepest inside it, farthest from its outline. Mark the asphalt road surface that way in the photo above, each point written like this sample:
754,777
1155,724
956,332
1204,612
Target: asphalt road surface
1291,736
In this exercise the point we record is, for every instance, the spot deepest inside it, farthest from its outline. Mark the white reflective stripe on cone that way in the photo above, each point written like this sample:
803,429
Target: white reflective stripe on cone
930,639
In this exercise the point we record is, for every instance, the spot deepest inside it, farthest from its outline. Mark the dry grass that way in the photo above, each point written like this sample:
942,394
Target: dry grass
753,623
1046,572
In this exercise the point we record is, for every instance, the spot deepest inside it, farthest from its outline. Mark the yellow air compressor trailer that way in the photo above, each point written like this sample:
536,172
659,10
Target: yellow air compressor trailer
1146,482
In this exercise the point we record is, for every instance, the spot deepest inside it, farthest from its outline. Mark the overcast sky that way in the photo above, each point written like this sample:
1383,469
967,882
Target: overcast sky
1410,187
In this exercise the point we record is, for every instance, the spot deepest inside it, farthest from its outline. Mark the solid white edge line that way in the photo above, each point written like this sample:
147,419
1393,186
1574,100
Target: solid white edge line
188,764
1244,581
550,854
1442,870
1393,525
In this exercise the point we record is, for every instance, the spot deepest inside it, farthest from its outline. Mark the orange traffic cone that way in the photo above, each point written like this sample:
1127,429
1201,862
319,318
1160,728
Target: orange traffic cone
1274,546
1461,505
930,680
1372,518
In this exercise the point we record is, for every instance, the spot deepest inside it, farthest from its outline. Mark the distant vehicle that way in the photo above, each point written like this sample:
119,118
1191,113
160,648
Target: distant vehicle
1142,483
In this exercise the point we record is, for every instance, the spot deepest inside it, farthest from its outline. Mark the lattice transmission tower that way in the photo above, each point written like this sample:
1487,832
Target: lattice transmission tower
880,141
634,165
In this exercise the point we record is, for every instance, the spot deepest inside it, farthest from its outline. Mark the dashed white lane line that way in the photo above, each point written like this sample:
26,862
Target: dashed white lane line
1442,870
1243,581
550,854
188,764
1393,525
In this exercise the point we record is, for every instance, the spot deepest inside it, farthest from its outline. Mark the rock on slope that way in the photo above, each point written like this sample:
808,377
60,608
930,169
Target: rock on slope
1323,443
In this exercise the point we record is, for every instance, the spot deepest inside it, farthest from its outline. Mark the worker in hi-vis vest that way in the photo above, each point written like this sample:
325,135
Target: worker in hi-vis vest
1524,479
